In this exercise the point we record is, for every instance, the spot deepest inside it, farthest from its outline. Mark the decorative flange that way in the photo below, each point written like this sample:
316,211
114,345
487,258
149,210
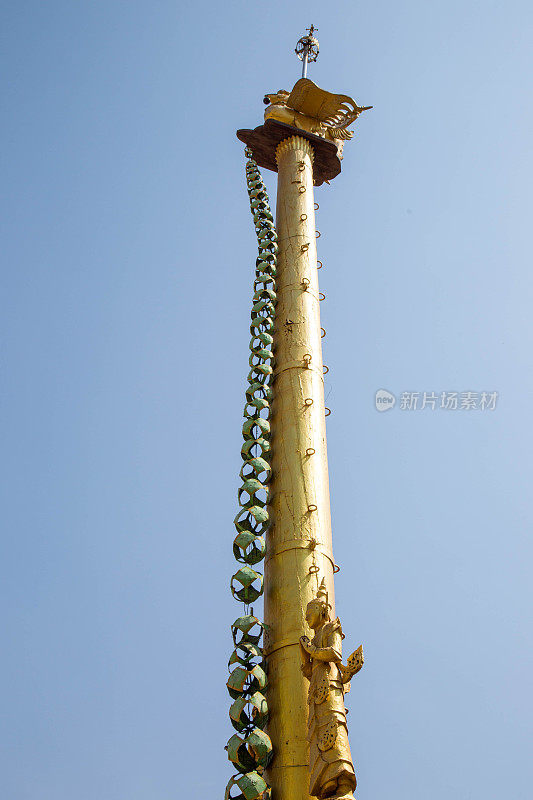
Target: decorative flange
264,140
294,143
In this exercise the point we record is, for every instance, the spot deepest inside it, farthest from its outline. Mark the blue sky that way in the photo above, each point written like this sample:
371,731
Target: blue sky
128,255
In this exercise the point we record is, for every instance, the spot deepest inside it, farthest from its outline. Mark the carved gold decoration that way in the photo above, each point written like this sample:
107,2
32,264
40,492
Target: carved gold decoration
294,143
321,689
328,737
314,110
355,661
331,768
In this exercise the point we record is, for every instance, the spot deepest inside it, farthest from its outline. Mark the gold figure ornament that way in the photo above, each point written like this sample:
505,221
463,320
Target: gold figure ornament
330,762
314,110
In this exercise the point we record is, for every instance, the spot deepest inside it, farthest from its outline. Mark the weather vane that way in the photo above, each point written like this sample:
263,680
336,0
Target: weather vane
307,49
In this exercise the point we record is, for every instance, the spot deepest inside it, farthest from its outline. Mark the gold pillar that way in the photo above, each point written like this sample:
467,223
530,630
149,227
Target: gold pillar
299,550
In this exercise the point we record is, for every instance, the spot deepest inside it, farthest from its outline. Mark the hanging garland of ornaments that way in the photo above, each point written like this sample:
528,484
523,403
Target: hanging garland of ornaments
250,749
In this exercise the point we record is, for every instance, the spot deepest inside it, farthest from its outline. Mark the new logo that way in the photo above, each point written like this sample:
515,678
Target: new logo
384,400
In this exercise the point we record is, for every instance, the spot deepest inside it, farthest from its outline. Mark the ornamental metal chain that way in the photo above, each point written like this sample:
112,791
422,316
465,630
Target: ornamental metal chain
250,749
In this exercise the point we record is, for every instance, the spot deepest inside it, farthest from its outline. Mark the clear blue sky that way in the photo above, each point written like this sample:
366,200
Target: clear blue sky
128,255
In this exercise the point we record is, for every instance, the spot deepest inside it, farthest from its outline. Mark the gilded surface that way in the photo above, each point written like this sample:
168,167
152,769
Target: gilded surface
294,143
314,110
299,541
330,762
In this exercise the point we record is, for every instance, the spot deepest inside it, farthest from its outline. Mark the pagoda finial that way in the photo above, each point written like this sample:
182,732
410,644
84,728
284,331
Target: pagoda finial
307,49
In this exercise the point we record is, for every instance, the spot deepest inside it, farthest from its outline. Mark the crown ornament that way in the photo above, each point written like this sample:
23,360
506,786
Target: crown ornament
322,594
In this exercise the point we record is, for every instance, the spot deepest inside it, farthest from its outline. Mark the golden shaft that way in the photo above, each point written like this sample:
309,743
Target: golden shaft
299,551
